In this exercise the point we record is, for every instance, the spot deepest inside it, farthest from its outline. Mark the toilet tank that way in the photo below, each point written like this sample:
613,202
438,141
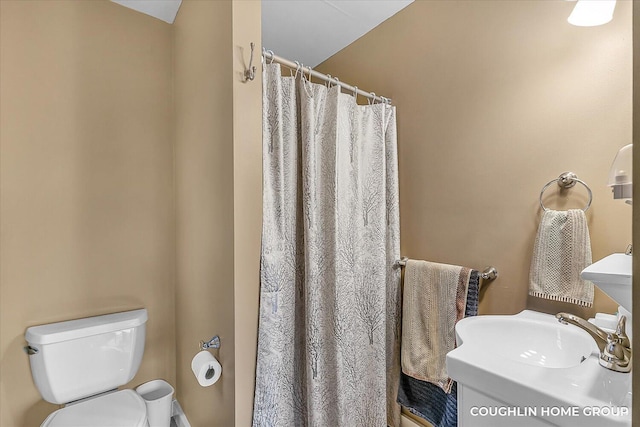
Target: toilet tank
80,358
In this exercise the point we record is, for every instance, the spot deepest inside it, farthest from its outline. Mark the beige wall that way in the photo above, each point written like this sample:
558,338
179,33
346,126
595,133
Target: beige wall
247,202
131,177
494,100
486,118
204,204
86,181
218,202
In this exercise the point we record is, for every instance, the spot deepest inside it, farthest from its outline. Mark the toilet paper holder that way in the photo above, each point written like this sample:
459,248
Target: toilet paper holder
212,343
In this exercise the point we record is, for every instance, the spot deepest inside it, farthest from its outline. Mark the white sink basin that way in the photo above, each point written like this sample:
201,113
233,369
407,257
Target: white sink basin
527,341
613,275
531,362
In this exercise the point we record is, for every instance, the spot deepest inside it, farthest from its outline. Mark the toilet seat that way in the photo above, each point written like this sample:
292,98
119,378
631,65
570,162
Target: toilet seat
124,408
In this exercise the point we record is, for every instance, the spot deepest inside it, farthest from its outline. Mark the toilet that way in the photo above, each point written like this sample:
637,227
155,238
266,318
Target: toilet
81,363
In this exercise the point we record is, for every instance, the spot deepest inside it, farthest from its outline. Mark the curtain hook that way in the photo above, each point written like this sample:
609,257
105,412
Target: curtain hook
337,83
355,94
304,80
302,76
328,84
273,55
297,69
310,70
372,100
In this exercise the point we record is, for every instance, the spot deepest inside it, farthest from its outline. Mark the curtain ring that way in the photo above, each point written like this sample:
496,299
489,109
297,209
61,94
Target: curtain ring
355,94
270,53
337,83
372,100
328,84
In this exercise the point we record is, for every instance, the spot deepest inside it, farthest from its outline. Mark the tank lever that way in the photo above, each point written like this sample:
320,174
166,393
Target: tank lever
212,343
30,350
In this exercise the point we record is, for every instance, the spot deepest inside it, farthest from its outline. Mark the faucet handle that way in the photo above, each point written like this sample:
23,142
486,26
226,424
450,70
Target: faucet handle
623,339
613,352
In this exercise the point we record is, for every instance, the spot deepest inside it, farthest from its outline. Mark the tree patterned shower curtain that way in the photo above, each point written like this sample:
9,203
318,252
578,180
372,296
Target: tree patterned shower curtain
328,353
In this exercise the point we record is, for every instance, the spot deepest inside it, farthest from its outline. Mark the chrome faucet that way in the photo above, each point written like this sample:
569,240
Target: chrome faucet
615,348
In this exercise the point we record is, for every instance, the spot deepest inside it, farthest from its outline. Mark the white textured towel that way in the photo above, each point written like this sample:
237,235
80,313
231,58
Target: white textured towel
434,299
561,251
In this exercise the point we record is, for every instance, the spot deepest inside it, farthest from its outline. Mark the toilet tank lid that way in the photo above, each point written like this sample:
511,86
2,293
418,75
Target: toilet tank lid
79,328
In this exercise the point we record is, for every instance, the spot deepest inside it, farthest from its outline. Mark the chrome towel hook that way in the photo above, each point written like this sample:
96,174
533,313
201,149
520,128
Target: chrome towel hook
250,73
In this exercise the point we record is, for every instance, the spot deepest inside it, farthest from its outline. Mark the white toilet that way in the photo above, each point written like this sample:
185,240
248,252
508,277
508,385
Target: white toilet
81,363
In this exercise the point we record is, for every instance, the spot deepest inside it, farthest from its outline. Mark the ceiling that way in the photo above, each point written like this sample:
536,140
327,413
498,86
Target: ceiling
310,31
165,10
307,31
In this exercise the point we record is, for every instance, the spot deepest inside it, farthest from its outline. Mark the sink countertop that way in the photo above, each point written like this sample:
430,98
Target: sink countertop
517,384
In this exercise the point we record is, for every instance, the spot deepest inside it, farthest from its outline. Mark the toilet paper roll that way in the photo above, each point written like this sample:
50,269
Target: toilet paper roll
206,368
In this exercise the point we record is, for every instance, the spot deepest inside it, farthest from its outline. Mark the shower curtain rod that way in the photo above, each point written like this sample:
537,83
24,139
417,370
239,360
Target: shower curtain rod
269,55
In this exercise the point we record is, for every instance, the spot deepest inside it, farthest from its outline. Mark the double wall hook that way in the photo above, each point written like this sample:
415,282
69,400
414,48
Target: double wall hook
250,73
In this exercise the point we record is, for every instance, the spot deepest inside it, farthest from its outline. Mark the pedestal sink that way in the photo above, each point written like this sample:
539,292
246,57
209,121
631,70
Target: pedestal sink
528,341
530,370
613,275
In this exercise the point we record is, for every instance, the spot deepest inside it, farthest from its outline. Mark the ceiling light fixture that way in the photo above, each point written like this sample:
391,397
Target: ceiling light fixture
589,13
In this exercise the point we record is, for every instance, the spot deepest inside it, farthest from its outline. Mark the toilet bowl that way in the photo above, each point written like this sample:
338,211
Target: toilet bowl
81,363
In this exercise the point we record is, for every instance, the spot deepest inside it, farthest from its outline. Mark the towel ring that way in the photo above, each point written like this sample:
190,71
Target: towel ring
567,180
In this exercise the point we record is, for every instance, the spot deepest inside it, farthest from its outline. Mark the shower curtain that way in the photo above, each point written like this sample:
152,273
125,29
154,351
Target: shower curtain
328,353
